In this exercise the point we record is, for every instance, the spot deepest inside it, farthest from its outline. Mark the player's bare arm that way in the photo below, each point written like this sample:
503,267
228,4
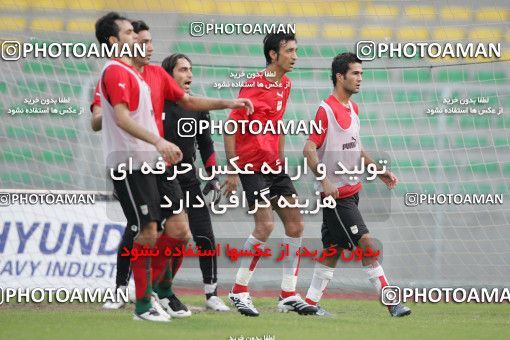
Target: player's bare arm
97,118
192,103
170,152
387,177
281,147
310,153
232,181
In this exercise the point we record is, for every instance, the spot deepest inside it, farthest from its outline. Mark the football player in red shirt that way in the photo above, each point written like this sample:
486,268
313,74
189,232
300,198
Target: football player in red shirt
339,141
122,85
269,92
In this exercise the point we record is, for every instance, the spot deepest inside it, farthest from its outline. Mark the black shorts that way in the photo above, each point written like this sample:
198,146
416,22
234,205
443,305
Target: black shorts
279,185
141,197
343,226
173,191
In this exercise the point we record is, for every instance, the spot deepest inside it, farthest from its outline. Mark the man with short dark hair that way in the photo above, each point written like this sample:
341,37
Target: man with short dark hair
131,136
339,141
176,230
269,95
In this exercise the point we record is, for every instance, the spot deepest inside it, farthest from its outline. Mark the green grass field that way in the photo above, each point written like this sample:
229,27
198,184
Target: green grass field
352,319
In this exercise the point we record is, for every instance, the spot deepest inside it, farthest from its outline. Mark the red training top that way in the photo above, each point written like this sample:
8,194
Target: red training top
269,102
161,84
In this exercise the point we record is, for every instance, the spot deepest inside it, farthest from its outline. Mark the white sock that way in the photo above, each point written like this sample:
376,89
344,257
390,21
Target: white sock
290,264
321,277
210,288
248,264
376,276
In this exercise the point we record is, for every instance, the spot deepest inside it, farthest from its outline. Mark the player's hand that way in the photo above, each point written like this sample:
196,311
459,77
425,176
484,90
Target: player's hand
230,184
242,102
214,186
170,152
329,189
389,179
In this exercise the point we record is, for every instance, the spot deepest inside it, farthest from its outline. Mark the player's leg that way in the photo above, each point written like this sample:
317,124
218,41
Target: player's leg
264,224
123,263
375,273
289,300
322,275
352,225
141,267
240,295
336,232
201,228
323,271
294,226
175,235
139,200
123,267
371,265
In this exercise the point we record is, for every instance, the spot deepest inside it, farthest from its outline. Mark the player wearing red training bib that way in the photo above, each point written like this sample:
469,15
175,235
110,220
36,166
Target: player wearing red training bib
176,231
342,115
339,141
162,87
130,135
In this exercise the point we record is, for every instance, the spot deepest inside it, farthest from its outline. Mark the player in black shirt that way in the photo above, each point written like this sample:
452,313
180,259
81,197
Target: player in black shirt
179,67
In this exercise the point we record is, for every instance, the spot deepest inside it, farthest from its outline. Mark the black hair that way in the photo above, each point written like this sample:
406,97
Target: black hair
106,27
272,41
341,64
139,25
169,62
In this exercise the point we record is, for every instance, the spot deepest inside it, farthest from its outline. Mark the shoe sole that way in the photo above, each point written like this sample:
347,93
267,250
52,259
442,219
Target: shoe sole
403,314
137,317
217,310
290,309
247,313
179,316
173,314
241,311
157,305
